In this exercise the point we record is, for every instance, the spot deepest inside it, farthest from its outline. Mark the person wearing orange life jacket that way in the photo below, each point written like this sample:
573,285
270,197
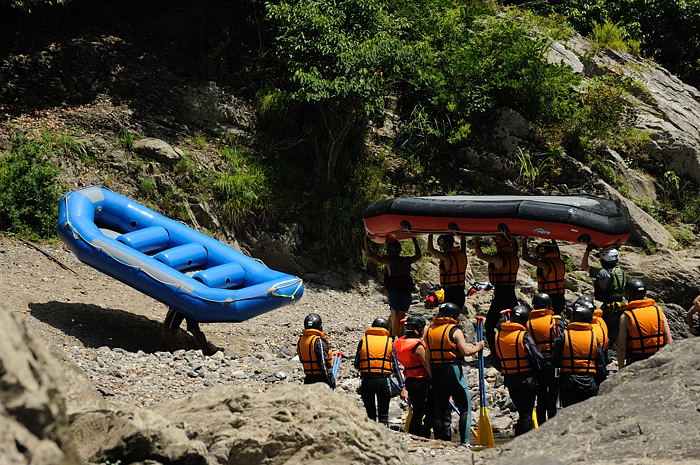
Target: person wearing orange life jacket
503,271
644,329
543,326
519,359
315,353
579,354
397,280
412,355
376,362
600,328
447,348
550,272
453,264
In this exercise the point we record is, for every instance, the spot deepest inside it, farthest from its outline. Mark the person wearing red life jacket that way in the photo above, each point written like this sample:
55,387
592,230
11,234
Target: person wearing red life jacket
543,326
519,359
644,329
376,362
314,352
412,355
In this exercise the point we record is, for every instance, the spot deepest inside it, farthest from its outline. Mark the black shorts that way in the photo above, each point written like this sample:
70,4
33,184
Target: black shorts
173,320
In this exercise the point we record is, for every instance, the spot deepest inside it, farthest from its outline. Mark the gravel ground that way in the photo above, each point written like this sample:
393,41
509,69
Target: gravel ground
114,333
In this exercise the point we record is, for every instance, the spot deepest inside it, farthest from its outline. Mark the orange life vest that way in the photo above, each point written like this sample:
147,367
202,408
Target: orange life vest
376,352
443,350
307,354
510,349
413,368
553,283
646,328
600,328
542,327
454,276
580,349
507,274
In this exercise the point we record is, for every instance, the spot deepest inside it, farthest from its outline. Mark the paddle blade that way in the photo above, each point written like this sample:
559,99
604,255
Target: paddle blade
409,417
535,424
485,432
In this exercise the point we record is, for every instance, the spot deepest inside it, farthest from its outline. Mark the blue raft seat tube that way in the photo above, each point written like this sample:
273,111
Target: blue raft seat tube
147,240
183,257
226,276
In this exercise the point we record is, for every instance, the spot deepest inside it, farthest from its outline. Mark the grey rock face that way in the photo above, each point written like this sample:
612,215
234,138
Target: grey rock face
158,149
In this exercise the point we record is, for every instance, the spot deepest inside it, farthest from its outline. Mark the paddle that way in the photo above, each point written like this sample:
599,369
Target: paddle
484,430
337,357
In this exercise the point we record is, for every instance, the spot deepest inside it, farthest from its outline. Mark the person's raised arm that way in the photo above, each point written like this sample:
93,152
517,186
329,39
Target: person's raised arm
495,260
464,349
416,256
463,243
436,253
371,255
622,342
584,261
532,260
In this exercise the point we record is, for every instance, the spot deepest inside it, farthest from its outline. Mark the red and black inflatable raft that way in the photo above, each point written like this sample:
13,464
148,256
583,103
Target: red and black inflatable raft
585,219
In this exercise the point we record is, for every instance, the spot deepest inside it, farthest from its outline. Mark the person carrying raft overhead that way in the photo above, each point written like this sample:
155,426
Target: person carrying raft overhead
550,272
314,352
503,271
608,286
397,280
453,264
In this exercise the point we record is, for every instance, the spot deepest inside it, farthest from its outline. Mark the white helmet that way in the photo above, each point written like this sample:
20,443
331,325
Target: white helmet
609,256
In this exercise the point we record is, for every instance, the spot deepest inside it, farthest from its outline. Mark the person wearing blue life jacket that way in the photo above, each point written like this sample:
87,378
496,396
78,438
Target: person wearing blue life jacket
397,281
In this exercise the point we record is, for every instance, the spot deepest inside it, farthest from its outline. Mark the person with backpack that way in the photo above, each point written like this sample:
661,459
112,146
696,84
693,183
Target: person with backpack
519,360
376,362
550,272
579,354
543,326
453,264
608,287
397,280
412,355
314,352
644,328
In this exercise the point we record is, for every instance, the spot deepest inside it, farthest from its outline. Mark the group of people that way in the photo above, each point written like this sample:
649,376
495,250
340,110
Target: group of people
549,355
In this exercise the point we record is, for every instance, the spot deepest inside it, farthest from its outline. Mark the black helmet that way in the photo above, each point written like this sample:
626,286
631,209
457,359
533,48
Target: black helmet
380,323
415,323
582,312
446,241
584,299
635,289
520,314
541,300
449,309
313,321
547,249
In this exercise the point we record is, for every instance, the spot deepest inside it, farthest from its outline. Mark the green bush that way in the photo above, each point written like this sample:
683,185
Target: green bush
29,191
612,36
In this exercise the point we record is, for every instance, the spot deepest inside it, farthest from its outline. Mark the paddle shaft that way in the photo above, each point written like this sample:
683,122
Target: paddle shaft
482,384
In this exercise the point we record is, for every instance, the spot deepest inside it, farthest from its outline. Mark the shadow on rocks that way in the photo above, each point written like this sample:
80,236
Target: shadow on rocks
97,326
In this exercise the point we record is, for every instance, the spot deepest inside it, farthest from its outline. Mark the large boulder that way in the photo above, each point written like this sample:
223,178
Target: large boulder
289,424
647,414
33,424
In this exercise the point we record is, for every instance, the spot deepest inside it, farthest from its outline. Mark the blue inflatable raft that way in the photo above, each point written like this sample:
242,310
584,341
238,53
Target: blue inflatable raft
199,276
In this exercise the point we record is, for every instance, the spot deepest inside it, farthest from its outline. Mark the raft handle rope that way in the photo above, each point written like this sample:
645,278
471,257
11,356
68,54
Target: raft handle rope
271,291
